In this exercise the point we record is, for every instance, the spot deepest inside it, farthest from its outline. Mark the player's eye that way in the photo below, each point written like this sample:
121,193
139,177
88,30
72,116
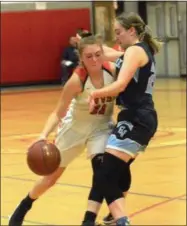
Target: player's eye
98,54
117,32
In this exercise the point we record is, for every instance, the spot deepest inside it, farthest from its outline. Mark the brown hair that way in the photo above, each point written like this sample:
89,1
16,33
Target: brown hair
83,33
90,40
128,20
99,38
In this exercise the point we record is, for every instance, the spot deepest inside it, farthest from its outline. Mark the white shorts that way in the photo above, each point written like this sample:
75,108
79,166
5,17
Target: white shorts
73,137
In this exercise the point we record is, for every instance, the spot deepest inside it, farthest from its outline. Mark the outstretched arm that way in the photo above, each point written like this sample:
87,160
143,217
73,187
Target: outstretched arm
111,54
70,90
132,61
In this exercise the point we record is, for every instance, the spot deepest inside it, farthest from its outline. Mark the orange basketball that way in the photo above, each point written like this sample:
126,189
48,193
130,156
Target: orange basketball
43,158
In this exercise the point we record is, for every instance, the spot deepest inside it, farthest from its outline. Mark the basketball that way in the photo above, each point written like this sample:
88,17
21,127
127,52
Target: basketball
43,158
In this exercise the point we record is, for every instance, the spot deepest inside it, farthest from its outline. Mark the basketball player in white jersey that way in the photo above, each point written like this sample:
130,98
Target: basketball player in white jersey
79,129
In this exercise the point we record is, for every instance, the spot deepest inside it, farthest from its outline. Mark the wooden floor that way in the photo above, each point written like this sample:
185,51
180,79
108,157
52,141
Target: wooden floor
158,193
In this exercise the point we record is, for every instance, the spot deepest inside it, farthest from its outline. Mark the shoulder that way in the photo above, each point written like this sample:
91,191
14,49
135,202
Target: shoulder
136,53
135,49
109,67
81,72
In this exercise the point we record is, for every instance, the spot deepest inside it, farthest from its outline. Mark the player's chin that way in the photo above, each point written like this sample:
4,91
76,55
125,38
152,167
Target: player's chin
96,66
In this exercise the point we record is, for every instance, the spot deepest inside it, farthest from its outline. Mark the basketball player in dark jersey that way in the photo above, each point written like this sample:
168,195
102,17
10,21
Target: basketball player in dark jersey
137,120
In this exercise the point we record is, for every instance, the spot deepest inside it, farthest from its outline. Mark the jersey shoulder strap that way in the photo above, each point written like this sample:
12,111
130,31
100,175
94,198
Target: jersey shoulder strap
82,74
147,50
107,67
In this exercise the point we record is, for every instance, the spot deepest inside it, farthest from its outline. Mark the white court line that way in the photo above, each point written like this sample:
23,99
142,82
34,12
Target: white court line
161,145
10,137
169,143
173,129
151,145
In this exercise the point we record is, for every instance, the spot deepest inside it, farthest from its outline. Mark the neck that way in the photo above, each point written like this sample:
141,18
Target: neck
136,40
95,73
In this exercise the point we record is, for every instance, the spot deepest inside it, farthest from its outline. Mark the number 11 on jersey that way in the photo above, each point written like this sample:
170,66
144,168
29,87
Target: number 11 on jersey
100,105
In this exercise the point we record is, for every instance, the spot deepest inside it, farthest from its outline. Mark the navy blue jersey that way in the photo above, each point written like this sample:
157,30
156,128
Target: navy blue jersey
138,93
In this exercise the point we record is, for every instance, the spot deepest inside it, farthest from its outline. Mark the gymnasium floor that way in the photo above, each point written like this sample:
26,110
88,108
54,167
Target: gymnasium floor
158,193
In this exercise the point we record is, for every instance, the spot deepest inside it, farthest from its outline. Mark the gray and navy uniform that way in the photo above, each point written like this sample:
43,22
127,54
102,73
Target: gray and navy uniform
137,120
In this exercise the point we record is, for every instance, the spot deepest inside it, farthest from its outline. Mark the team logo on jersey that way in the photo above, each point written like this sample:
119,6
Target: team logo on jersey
124,127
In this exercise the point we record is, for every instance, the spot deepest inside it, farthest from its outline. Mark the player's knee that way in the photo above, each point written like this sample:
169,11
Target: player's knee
110,176
106,179
110,188
96,193
106,186
125,179
97,170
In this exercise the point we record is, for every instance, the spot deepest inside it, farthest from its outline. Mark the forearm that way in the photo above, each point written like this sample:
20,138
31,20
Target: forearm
50,125
70,90
112,90
111,54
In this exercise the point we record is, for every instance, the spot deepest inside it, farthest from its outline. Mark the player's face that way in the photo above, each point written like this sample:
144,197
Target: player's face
123,36
92,57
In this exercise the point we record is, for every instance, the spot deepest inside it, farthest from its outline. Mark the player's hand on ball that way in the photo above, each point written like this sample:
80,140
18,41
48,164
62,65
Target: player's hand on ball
40,138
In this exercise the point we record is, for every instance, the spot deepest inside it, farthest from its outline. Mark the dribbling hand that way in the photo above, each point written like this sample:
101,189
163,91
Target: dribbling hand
40,138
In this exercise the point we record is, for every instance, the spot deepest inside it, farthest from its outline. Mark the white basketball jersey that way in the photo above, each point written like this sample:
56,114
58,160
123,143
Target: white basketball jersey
79,107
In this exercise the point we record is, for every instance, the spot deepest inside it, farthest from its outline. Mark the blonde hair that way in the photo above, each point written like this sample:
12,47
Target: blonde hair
128,20
90,40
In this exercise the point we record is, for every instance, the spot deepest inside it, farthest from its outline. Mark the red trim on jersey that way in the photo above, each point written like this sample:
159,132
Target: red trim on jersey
107,67
82,73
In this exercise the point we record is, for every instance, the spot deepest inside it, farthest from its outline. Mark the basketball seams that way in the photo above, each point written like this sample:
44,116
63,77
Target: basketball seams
39,161
44,156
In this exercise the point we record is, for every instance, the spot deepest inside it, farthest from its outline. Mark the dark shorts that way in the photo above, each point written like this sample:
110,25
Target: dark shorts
133,131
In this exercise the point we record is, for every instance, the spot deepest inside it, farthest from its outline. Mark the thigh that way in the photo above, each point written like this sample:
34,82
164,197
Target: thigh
97,144
69,142
97,141
68,155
